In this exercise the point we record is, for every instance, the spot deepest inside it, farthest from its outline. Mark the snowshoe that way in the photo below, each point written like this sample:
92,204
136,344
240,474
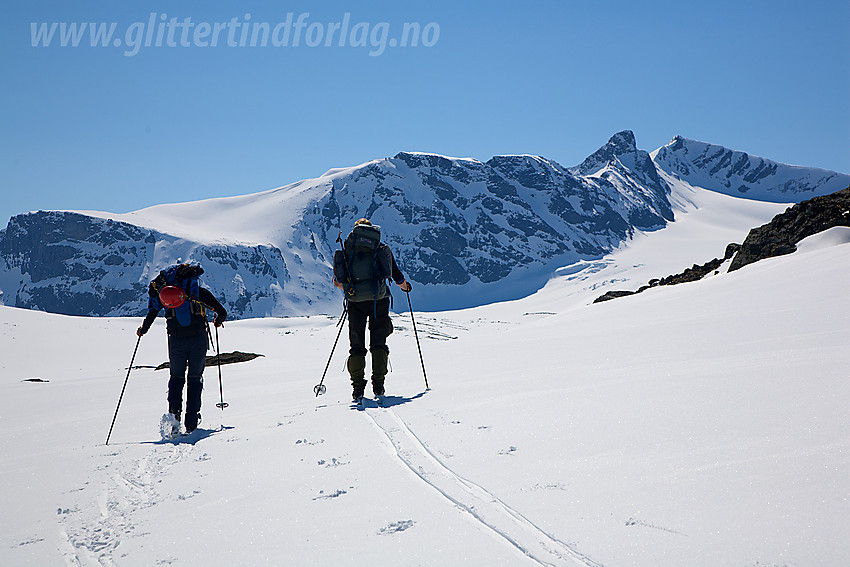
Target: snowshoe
169,426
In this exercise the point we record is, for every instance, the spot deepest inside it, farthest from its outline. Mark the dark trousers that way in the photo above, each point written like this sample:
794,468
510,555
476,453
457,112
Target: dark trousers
186,353
378,316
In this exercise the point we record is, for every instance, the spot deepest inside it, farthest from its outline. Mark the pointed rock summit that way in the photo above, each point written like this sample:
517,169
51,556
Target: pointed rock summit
621,143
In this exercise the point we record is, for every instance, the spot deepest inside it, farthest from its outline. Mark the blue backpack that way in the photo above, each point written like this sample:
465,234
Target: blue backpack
184,276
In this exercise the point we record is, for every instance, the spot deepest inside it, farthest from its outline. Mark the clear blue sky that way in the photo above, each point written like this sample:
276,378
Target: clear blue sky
94,128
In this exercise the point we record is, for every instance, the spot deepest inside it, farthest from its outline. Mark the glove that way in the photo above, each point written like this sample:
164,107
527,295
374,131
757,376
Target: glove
140,331
405,286
218,323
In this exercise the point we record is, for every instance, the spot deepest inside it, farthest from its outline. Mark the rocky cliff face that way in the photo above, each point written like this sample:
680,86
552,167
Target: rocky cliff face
70,263
781,235
453,222
74,264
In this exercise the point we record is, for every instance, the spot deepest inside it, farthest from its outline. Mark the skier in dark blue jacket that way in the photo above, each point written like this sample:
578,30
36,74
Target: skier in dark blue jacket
187,337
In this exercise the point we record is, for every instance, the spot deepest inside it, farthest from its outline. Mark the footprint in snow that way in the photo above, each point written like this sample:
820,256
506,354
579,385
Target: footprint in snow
396,527
334,494
334,462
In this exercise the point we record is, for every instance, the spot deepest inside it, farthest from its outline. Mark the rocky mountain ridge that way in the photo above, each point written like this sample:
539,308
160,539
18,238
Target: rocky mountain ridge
739,174
465,232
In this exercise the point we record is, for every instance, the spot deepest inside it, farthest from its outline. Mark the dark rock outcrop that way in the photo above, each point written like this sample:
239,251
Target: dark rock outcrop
697,272
226,358
614,294
781,235
692,274
776,238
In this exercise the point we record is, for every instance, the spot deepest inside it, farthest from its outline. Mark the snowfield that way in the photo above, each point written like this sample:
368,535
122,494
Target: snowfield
703,424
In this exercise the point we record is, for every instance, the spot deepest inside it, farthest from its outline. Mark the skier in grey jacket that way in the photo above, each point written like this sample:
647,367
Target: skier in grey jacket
361,269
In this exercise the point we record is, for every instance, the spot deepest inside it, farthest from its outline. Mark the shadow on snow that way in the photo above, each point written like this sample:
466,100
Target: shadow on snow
189,438
389,401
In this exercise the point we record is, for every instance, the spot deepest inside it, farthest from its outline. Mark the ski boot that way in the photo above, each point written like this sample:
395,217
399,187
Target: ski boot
192,424
380,355
356,365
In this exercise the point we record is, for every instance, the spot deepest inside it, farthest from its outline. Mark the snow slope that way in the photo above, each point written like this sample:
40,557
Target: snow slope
705,223
703,424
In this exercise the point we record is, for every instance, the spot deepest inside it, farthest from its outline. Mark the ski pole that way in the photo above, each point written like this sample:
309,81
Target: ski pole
124,388
320,388
415,334
222,404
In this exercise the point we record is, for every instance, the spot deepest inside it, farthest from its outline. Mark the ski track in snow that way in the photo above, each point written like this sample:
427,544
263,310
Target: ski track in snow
507,523
89,538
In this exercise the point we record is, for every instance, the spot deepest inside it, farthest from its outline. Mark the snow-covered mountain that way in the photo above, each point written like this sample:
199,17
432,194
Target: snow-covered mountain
465,232
742,175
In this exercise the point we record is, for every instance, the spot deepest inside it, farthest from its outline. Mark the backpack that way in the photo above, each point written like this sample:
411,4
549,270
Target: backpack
362,266
184,276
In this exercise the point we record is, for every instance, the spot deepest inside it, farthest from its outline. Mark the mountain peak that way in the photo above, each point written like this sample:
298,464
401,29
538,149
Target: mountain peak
619,144
623,142
740,174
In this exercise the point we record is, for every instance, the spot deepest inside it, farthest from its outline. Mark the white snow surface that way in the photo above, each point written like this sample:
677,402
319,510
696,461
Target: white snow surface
697,425
257,218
